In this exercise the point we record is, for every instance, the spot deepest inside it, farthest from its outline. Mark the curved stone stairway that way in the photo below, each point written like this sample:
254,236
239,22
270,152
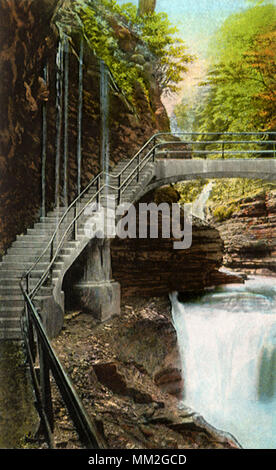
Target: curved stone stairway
27,248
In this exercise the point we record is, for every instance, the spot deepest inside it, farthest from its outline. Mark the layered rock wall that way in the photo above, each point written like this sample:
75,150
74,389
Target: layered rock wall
29,40
250,235
153,267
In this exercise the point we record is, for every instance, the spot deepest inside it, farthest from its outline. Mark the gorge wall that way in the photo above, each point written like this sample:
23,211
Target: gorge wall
29,40
250,235
152,267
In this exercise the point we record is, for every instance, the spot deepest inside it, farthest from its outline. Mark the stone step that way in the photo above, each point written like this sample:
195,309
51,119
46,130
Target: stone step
29,251
36,244
40,231
34,237
7,322
28,242
12,309
23,266
16,274
56,212
12,290
25,257
10,333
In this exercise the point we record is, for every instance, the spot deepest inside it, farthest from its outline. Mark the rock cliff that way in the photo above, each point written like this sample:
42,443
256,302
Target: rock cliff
29,41
151,266
250,235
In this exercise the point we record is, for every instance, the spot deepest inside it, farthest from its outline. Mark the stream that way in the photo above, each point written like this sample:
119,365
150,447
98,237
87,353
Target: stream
227,341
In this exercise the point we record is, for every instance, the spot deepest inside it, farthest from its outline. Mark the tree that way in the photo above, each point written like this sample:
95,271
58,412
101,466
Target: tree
146,7
241,78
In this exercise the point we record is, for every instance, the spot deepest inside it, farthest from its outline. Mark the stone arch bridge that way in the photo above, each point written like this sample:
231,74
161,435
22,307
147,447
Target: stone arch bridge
35,266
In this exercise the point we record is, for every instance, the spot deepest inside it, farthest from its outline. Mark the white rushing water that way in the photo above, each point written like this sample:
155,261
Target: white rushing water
199,205
227,340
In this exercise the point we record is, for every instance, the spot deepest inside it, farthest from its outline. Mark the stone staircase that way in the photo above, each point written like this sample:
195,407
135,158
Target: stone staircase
27,248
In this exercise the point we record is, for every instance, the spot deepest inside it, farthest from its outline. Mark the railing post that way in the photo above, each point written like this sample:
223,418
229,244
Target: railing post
119,189
45,387
138,168
222,153
75,228
52,251
274,152
98,187
153,150
28,283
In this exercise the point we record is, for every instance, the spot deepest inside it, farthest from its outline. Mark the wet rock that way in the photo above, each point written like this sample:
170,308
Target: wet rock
250,235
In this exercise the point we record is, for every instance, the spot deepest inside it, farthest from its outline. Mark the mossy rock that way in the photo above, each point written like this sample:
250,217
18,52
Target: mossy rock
224,212
166,194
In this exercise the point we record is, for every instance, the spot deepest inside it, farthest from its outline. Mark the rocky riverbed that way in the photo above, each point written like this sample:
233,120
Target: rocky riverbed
127,372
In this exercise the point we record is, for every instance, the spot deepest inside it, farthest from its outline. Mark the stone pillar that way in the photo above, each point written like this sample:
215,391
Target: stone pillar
95,292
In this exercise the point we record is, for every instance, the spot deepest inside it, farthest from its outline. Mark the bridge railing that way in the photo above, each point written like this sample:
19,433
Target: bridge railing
228,145
68,224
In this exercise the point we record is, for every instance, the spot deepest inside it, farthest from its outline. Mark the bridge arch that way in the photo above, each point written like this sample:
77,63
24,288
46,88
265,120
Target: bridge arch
176,170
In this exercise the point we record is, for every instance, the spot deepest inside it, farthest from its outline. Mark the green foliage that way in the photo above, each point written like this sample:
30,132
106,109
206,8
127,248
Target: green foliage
224,212
190,190
238,90
169,56
182,112
233,190
146,7
238,95
167,194
102,39
226,195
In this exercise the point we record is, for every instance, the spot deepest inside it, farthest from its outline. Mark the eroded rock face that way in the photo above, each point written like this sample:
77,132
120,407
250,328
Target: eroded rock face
120,369
29,41
152,266
250,235
24,28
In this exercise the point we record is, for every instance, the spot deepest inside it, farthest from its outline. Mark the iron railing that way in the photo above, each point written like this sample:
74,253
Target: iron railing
34,334
37,344
204,145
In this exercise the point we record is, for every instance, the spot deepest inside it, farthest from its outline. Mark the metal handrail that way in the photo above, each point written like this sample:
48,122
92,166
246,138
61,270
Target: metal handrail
48,361
70,207
97,178
201,142
215,133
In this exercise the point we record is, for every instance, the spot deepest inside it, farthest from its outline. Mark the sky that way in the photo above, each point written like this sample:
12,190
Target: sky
196,21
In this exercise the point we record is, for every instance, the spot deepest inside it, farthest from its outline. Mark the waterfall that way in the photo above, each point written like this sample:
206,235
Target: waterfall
79,124
44,148
104,100
199,205
59,93
227,342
